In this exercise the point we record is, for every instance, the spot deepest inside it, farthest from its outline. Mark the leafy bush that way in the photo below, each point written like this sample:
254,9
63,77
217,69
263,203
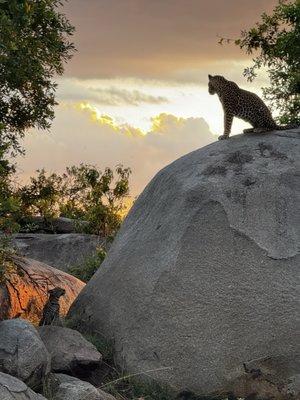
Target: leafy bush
42,196
104,346
85,270
9,202
9,205
7,266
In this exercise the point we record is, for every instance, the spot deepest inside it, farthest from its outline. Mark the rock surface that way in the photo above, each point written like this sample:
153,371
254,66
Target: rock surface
12,388
22,352
202,275
71,388
59,251
69,350
25,294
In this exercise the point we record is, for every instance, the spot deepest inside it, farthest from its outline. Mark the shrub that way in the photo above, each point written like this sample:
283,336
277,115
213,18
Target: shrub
89,266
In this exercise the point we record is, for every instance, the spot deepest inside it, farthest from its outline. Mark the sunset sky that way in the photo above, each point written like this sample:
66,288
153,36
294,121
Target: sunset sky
136,90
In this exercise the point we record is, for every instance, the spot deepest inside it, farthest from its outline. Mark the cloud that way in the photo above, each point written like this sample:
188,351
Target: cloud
80,135
157,38
75,90
231,69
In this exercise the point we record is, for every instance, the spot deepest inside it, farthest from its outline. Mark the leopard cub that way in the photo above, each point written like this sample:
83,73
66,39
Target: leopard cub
52,308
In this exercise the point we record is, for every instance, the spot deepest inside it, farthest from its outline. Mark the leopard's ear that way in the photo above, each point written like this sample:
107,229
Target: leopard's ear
209,76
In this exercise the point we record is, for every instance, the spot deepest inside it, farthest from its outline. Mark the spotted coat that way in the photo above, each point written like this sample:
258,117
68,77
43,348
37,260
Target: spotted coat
242,104
51,309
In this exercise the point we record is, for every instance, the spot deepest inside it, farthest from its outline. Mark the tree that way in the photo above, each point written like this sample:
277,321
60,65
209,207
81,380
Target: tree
82,193
41,196
33,46
9,203
96,196
276,42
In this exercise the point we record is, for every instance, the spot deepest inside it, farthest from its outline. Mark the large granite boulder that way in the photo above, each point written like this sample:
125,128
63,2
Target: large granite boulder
59,251
69,350
22,352
199,285
12,388
26,292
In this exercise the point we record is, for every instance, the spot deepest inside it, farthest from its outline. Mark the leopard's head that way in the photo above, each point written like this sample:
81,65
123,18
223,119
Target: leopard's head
215,83
56,292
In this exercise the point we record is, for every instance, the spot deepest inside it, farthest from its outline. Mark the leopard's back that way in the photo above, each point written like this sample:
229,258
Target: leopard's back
251,108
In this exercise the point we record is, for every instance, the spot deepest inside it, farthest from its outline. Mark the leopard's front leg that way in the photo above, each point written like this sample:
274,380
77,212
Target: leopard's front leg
228,118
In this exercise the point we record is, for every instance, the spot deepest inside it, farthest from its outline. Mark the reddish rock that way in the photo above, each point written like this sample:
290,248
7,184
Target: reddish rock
26,292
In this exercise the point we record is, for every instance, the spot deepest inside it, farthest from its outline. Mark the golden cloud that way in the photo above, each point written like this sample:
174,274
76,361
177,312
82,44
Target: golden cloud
81,134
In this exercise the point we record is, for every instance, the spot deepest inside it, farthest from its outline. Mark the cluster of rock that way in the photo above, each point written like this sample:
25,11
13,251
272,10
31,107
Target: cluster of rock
38,364
199,287
43,259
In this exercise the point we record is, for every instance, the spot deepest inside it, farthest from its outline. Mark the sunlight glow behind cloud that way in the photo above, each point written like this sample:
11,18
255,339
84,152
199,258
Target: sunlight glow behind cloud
81,135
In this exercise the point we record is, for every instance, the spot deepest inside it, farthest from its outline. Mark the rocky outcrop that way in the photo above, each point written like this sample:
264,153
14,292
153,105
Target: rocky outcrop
70,388
12,388
56,225
60,251
69,350
25,361
25,293
200,283
22,352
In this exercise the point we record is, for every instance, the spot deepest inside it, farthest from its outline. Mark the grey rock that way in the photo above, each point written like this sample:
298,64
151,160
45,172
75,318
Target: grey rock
22,352
59,251
69,350
28,294
71,388
105,396
57,225
12,388
202,276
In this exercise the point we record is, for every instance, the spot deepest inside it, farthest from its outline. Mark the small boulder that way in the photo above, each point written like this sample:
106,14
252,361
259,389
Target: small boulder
12,388
69,350
70,388
26,292
22,352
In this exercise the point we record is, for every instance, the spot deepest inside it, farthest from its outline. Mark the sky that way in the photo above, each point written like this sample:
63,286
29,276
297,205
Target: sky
135,92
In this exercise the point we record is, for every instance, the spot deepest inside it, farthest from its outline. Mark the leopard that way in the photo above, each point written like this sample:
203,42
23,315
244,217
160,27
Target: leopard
51,309
242,104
